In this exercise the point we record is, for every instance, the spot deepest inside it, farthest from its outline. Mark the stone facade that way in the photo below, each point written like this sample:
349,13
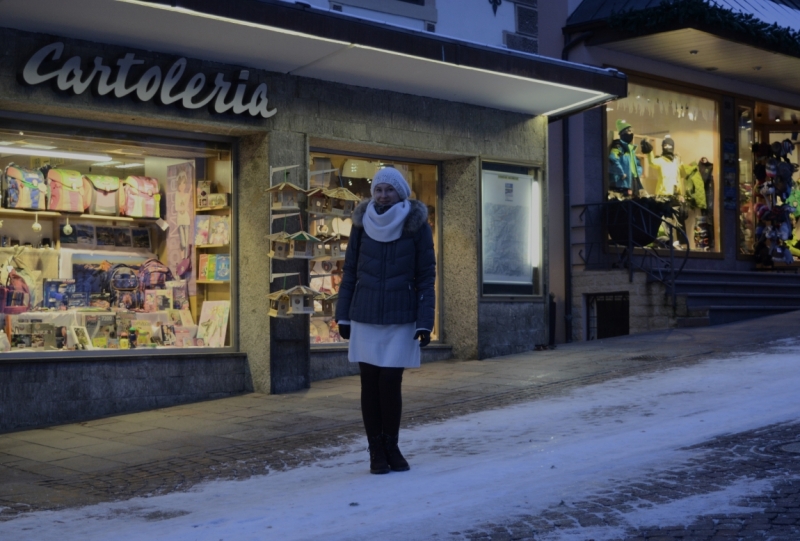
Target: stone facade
341,118
650,308
55,392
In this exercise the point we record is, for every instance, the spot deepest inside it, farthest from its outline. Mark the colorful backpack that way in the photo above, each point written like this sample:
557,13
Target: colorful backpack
66,190
153,274
24,188
122,284
16,294
102,194
139,197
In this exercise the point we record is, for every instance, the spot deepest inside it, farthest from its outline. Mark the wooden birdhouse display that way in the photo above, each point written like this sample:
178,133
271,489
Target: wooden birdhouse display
341,201
301,300
331,248
280,246
279,304
303,245
333,202
329,304
285,196
316,201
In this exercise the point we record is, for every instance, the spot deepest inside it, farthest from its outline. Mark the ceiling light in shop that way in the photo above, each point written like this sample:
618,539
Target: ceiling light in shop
129,165
105,164
55,154
40,147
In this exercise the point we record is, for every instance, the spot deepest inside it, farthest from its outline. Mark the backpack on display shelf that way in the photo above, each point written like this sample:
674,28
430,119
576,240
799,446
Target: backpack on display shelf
122,284
66,190
139,198
153,274
24,188
102,194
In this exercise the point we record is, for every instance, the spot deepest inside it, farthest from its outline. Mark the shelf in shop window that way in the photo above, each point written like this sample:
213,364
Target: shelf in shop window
213,281
205,209
213,246
25,213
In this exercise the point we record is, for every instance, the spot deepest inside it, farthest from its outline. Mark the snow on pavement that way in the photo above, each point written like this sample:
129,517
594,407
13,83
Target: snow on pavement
482,467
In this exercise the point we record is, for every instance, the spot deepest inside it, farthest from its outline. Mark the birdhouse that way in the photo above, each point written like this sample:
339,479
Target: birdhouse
279,304
302,245
338,248
341,202
329,304
280,246
316,201
301,300
331,248
285,196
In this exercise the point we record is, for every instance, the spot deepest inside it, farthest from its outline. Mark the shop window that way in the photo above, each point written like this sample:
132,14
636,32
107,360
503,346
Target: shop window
330,222
511,230
114,244
664,145
747,137
608,315
768,176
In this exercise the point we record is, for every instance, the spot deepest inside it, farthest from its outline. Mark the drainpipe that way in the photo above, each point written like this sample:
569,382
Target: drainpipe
565,171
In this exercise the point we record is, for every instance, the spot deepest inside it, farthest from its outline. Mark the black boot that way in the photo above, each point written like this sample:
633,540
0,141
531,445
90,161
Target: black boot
393,454
377,455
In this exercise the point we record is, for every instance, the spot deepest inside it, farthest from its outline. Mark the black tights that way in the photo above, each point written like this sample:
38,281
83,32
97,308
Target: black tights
381,402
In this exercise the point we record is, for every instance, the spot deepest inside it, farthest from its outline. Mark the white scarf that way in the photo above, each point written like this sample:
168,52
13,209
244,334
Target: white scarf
388,226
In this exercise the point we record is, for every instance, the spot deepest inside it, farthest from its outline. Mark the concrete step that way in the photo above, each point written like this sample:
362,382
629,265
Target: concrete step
685,322
750,277
729,314
699,301
688,287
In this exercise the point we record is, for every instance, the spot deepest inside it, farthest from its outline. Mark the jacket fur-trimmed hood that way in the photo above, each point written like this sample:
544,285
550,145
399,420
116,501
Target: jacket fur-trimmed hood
417,216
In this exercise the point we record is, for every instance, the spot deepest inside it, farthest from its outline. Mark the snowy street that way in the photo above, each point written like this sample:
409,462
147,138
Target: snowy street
604,461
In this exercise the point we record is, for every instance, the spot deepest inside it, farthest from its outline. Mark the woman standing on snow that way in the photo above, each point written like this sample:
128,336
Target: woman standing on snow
386,303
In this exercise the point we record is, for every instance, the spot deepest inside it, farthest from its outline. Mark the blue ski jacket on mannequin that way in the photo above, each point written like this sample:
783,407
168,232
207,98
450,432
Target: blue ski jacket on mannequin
622,162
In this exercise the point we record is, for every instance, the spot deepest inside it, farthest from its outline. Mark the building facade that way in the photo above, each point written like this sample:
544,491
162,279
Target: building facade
213,152
712,107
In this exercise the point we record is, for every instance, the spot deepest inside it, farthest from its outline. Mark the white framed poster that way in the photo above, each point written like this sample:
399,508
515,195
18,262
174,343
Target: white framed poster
511,228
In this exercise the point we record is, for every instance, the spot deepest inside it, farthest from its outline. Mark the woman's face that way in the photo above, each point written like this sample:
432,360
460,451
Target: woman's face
385,194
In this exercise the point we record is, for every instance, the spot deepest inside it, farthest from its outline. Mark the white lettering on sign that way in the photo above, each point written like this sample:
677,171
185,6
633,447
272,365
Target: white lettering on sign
151,84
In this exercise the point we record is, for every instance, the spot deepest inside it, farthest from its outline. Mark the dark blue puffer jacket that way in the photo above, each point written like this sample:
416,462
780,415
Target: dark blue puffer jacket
387,283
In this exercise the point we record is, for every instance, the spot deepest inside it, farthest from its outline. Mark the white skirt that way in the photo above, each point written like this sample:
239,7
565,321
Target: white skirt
387,346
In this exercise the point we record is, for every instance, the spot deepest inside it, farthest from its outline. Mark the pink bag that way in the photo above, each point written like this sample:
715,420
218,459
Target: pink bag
66,190
139,197
16,295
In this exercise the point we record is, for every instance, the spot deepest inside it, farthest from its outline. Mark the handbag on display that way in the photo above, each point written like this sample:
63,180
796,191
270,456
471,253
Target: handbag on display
66,190
102,194
122,286
24,188
139,197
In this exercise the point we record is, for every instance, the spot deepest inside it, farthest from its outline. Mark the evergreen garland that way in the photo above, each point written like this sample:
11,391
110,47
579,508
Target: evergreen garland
708,17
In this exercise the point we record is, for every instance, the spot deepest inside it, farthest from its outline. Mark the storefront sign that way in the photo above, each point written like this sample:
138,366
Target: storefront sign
190,92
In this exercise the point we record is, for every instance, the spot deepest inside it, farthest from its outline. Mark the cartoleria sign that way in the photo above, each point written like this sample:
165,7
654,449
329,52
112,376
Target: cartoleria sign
173,87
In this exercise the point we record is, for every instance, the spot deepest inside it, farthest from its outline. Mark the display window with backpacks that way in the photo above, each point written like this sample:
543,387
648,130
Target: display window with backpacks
66,190
122,285
24,188
139,197
102,194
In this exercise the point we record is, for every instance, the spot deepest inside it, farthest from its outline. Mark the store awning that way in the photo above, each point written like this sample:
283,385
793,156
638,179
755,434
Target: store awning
710,44
304,41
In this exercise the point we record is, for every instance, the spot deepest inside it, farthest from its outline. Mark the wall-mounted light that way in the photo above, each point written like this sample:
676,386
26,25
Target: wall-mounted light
129,165
55,154
36,225
777,119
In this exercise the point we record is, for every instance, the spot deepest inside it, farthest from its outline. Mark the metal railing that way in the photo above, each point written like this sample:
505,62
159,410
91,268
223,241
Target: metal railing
625,234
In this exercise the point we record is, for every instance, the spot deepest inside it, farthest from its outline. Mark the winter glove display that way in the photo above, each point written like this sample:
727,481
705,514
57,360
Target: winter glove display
646,147
423,336
344,330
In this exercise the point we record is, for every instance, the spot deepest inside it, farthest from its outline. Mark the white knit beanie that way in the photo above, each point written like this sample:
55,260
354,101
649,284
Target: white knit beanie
390,175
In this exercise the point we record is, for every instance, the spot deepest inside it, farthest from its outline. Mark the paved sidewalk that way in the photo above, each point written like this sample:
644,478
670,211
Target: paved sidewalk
174,448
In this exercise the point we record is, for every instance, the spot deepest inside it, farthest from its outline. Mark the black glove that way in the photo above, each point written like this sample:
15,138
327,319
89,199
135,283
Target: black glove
424,337
344,330
646,147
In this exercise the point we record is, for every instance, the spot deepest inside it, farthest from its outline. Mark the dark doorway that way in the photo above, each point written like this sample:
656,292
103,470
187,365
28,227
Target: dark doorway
608,315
